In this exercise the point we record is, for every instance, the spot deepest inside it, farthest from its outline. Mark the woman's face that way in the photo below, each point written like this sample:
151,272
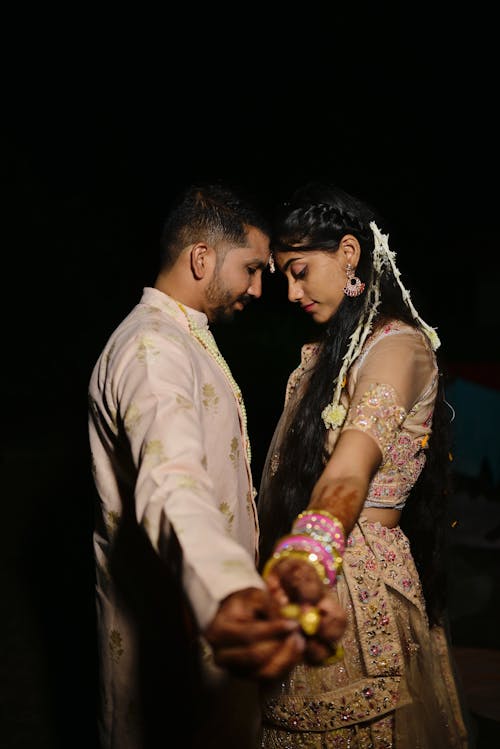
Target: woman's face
316,280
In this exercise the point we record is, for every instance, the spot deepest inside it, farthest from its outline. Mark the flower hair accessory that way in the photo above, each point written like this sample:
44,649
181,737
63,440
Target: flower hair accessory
334,413
387,256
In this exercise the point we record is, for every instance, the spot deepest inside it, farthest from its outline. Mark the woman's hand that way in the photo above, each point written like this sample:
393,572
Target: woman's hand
301,594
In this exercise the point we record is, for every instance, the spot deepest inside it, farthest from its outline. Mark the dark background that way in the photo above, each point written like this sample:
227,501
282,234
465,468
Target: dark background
105,119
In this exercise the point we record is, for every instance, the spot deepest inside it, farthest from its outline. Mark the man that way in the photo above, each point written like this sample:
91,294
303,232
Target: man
186,625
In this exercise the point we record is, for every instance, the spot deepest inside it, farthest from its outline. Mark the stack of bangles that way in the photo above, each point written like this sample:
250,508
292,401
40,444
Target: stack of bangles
318,538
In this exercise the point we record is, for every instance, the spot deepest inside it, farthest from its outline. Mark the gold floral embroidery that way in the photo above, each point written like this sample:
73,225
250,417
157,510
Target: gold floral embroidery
146,349
250,500
225,509
401,468
183,402
210,398
154,451
378,413
115,645
205,337
235,452
132,418
187,482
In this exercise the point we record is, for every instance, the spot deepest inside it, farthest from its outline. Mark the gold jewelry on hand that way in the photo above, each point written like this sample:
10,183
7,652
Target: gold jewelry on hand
305,556
309,619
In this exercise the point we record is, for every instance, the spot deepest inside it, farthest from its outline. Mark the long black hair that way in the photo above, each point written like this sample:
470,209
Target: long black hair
317,217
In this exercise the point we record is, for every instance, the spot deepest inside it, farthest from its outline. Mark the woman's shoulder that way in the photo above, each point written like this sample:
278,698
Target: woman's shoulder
389,328
397,338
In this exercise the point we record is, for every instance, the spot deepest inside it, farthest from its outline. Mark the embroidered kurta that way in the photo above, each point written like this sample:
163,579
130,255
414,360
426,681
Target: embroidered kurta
395,686
170,461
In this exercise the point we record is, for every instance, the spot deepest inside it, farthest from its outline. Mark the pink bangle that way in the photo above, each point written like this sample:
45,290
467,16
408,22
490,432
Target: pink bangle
323,526
332,562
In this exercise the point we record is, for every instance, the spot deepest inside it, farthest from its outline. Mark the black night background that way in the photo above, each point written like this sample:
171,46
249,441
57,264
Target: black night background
103,123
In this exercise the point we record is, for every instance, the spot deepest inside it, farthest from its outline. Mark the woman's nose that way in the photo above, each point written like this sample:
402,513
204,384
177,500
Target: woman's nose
295,291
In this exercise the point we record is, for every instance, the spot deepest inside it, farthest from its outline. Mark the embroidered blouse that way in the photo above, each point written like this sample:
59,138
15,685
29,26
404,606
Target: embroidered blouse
389,395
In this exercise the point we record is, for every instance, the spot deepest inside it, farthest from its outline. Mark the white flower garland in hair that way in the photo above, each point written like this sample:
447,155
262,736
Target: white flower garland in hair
382,250
334,413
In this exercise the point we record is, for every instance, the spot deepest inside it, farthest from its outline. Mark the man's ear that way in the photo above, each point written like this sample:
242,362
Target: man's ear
200,260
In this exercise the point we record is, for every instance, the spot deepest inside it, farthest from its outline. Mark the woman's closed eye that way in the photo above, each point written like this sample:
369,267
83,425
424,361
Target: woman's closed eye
299,272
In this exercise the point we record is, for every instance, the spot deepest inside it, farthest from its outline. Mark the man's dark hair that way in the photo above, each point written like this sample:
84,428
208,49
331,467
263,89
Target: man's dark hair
211,213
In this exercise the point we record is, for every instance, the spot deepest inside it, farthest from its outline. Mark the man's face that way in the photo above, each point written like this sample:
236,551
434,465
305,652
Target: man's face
238,279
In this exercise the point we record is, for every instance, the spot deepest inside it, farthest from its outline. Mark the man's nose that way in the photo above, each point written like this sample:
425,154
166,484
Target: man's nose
255,288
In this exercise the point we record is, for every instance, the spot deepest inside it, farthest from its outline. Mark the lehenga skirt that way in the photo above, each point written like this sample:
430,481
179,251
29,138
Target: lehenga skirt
395,685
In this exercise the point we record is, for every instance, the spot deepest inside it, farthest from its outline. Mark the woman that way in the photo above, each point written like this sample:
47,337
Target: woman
358,468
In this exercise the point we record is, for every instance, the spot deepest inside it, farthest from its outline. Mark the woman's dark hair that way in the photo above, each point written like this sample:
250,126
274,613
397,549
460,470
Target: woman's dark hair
317,217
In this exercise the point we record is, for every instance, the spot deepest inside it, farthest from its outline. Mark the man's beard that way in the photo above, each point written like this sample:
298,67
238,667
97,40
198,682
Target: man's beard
221,301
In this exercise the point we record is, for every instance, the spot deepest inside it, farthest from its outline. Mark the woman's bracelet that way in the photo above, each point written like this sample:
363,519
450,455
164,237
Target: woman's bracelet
293,553
329,558
323,526
318,538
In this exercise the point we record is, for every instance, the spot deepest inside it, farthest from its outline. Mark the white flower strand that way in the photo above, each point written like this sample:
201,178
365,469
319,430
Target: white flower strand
205,337
382,250
334,413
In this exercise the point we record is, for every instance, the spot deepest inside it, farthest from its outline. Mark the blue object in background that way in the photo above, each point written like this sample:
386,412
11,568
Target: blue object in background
476,428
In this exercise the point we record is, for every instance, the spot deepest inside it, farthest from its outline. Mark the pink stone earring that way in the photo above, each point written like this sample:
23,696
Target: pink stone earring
354,286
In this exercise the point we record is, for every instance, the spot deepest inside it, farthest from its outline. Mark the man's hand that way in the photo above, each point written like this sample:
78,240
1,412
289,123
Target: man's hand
250,637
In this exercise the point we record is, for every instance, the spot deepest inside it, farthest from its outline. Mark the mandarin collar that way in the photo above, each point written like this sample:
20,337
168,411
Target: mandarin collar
167,303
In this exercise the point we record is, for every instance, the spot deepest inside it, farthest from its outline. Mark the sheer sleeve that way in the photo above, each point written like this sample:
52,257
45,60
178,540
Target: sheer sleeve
393,374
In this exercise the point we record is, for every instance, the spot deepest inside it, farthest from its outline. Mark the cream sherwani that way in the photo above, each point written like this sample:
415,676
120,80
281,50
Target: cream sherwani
168,444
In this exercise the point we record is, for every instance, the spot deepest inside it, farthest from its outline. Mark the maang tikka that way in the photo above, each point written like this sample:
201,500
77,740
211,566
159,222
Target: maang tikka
354,286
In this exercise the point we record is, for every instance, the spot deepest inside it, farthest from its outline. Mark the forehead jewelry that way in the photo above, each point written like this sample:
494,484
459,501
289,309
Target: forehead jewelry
334,413
272,266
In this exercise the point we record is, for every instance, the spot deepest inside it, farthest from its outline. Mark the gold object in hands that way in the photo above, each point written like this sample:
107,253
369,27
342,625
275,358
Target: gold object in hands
309,619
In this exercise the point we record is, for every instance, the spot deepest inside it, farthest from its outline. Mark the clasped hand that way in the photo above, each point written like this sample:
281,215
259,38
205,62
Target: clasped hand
253,635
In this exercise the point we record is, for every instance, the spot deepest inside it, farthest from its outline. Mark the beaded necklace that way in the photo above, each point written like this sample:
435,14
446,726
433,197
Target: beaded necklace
205,337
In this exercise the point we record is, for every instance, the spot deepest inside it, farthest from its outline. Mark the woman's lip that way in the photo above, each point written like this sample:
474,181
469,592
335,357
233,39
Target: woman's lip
308,307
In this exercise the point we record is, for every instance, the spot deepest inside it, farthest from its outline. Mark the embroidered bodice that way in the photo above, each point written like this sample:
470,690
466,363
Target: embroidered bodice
389,395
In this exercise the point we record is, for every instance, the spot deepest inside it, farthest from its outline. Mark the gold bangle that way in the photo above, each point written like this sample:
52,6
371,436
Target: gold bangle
337,559
305,556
